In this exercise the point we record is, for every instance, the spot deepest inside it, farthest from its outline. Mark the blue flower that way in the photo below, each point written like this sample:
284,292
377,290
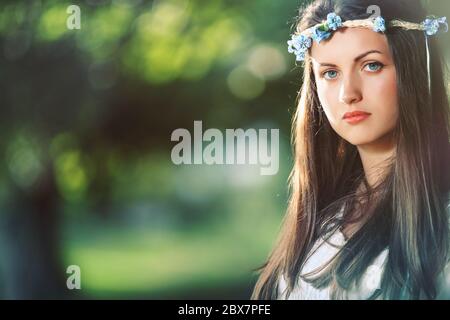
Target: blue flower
334,21
298,45
300,42
432,25
321,32
300,55
379,24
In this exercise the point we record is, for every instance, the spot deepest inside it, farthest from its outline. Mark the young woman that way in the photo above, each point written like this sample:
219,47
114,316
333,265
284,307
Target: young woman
368,216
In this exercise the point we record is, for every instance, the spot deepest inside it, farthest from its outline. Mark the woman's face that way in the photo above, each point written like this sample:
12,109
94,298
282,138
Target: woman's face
354,71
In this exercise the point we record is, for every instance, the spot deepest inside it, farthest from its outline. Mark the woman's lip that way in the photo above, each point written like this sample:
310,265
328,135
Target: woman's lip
356,117
355,113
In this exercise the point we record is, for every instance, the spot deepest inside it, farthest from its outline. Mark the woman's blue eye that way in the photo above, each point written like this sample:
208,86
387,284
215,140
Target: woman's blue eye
330,74
374,66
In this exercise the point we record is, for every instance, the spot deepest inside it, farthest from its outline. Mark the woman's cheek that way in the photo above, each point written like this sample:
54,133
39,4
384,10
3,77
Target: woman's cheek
382,96
329,99
383,87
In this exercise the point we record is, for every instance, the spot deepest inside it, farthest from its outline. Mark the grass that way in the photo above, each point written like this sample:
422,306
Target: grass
120,262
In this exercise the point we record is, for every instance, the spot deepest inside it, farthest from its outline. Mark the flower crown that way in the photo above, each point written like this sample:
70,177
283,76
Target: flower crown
301,42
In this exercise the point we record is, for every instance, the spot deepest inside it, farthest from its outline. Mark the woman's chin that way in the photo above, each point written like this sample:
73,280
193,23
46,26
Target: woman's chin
357,140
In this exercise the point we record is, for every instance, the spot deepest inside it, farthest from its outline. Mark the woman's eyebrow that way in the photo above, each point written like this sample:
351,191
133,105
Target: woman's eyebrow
326,64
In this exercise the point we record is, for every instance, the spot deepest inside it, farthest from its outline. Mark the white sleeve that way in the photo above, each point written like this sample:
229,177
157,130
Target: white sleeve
281,288
444,280
444,284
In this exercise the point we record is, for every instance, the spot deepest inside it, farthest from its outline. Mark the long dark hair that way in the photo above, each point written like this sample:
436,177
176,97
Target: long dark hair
409,204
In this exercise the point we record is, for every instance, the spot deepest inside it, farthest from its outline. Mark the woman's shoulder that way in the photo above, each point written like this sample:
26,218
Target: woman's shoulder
447,208
447,199
447,203
444,281
444,284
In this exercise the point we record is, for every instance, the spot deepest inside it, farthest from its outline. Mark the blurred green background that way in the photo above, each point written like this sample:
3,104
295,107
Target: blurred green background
85,123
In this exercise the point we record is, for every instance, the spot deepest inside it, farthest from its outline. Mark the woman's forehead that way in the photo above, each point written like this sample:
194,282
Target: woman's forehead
347,44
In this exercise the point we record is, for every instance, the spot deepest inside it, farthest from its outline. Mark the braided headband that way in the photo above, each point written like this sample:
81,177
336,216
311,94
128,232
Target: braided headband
301,42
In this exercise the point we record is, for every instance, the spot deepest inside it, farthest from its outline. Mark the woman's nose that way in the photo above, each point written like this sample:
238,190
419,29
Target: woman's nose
350,91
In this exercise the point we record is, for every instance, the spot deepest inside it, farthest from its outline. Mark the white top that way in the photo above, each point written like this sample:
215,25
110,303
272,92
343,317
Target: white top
323,251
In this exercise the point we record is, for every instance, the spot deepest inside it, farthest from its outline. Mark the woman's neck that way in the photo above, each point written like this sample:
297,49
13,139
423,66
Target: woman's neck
376,157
